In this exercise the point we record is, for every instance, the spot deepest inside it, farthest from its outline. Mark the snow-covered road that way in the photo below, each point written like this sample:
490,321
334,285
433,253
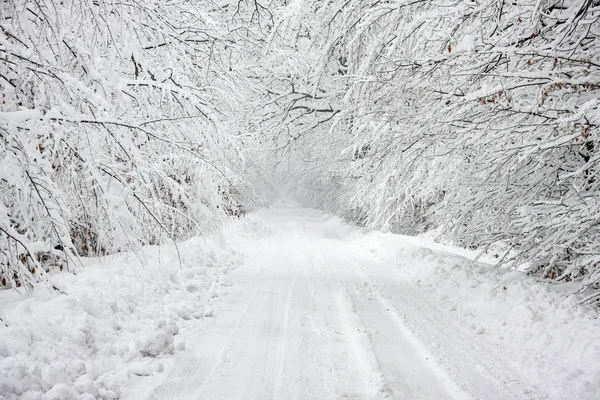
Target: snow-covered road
311,315
292,303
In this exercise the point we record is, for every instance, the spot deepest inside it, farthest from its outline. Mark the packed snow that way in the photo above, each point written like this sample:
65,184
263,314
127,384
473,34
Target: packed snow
292,303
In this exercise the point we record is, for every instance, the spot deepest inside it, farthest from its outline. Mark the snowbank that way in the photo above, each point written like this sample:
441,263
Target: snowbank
85,335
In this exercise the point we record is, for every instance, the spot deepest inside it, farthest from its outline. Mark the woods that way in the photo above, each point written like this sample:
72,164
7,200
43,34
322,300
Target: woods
476,119
116,130
122,123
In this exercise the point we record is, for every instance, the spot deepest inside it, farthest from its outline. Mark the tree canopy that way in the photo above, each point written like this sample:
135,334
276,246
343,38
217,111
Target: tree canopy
125,124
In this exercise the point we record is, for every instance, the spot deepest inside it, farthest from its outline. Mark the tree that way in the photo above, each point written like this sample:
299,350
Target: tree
478,118
115,129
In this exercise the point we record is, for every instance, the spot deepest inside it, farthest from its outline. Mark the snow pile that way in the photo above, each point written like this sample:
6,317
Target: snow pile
542,327
85,335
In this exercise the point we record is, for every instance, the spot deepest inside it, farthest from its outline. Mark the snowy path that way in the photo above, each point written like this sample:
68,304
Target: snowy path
311,316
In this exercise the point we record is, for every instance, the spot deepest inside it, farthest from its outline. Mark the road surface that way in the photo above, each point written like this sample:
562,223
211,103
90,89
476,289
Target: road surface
311,316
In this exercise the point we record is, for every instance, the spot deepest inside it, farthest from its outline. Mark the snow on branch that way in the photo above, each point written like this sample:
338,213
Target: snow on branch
113,129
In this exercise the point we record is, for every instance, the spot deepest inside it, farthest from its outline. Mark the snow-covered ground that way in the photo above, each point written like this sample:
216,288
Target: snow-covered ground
316,309
117,318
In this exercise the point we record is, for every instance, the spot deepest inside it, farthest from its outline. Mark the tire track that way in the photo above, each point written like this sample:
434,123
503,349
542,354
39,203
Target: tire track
276,348
476,367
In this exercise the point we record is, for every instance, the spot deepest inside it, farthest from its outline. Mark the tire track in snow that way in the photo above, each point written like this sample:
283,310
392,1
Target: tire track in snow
283,344
375,384
275,358
477,367
406,366
474,366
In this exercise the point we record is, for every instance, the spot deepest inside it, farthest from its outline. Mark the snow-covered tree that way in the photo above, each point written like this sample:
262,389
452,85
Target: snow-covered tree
480,118
116,128
126,124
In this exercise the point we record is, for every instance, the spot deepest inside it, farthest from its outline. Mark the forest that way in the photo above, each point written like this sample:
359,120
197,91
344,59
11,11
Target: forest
125,124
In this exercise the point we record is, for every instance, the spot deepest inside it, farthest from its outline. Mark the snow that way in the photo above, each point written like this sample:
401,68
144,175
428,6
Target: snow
298,304
539,327
115,319
21,116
